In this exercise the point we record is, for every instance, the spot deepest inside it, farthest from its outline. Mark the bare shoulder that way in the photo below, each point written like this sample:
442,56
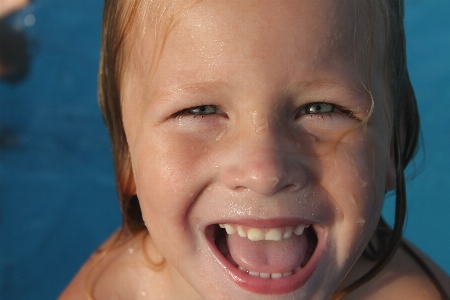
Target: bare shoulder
77,288
404,278
116,270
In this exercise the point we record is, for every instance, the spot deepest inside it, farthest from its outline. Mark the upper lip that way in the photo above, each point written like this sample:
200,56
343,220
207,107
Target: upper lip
261,212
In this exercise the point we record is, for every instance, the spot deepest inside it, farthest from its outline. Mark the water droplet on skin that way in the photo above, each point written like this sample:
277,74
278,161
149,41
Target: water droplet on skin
274,181
363,183
205,150
352,200
144,294
361,222
220,135
259,122
130,250
295,187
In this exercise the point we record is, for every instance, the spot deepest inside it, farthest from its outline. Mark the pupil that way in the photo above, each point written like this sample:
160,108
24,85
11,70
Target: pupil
202,108
318,107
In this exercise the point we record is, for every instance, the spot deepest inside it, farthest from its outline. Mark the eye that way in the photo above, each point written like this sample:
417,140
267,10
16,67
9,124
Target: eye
323,108
201,110
319,108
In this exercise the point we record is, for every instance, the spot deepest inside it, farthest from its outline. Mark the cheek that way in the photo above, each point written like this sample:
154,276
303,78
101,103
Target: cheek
168,173
357,175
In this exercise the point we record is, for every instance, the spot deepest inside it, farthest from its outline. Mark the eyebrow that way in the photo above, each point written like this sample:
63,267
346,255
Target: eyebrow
205,85
193,88
294,89
327,84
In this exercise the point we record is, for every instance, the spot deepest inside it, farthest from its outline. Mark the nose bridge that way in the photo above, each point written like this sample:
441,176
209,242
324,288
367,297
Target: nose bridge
263,162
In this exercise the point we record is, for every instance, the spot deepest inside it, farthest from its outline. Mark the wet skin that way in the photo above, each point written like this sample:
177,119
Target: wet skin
249,115
226,129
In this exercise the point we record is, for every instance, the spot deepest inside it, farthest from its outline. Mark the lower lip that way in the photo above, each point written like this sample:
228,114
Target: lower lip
260,285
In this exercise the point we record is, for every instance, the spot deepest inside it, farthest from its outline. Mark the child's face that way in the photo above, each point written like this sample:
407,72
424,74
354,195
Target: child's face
250,119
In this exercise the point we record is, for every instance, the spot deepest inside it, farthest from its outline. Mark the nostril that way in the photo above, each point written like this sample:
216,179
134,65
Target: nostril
264,169
262,179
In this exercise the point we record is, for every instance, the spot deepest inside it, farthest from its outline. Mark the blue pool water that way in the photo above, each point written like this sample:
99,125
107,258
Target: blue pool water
57,196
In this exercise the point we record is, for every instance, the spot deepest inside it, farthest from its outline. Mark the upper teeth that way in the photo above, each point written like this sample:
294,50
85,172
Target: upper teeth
268,234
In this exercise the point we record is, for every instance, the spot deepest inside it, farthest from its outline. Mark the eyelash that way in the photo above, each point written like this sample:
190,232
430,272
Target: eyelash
335,109
303,111
188,111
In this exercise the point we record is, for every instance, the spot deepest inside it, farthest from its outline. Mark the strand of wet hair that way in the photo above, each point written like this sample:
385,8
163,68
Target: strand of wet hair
397,232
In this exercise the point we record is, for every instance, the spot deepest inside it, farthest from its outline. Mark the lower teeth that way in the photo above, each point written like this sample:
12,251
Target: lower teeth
221,245
269,275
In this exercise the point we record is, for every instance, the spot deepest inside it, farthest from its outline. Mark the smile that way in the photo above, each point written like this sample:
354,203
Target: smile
265,234
267,260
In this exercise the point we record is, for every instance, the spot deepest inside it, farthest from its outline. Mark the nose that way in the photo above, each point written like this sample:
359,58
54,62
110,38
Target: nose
264,164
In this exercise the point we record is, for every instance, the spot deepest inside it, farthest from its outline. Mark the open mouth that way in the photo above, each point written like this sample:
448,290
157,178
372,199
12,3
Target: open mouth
266,260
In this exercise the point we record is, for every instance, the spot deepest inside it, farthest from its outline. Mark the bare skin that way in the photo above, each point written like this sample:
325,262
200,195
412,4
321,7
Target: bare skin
401,279
251,117
8,6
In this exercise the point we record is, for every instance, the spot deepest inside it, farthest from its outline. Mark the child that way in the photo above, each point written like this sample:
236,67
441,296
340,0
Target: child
254,142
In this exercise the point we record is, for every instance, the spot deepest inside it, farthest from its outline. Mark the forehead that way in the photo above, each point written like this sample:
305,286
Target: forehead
209,35
270,25
269,22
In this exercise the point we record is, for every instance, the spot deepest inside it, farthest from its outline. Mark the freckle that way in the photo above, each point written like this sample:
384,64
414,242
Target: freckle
360,222
259,122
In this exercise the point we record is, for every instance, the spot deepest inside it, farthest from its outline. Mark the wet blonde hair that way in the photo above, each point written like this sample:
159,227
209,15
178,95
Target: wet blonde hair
120,17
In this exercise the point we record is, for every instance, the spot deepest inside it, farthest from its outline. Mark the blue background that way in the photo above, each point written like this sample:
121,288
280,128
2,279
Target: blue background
57,194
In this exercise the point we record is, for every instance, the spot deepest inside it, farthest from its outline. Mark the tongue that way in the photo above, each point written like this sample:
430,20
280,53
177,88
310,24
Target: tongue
268,256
